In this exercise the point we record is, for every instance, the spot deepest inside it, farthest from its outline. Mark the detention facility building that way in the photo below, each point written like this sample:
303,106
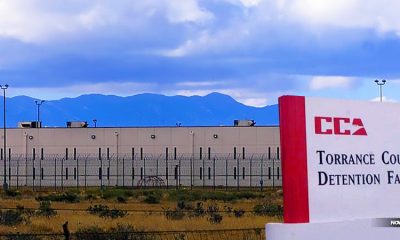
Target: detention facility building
226,156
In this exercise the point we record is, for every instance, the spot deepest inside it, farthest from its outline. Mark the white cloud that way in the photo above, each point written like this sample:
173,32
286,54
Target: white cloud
110,88
323,82
187,11
38,21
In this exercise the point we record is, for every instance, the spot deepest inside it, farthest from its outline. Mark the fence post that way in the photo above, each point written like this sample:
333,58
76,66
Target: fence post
40,173
226,173
273,173
191,172
251,170
62,174
238,173
55,173
214,172
262,176
77,172
123,171
204,169
33,174
86,172
18,172
179,171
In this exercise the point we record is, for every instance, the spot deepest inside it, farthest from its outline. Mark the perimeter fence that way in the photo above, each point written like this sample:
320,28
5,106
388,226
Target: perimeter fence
142,170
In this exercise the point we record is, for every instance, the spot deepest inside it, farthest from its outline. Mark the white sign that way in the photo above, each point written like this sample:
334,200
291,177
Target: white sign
340,159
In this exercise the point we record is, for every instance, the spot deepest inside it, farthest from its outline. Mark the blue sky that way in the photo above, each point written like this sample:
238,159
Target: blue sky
253,50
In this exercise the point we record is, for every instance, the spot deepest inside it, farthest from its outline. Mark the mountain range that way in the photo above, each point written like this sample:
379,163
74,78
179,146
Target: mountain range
141,110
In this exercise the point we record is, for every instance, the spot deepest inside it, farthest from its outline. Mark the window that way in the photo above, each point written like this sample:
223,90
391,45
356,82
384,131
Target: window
41,173
166,154
33,154
133,153
176,172
34,174
41,154
74,153
201,173
209,173
74,173
201,153
166,172
244,173
244,153
234,153
66,154
66,173
100,173
209,153
234,173
141,173
1,154
141,153
269,172
9,154
133,173
108,173
277,172
108,153
99,155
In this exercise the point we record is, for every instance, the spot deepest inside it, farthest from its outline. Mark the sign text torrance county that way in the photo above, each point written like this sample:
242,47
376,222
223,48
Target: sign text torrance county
386,158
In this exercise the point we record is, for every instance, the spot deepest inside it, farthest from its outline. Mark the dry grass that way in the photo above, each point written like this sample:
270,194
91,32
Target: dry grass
142,220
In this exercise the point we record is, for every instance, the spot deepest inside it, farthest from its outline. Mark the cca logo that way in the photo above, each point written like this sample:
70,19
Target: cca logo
339,126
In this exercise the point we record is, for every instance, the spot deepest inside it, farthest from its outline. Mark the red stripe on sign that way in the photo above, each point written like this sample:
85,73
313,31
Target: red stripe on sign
294,159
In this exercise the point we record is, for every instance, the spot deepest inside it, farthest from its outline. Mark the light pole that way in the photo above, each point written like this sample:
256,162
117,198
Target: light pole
38,103
380,84
5,185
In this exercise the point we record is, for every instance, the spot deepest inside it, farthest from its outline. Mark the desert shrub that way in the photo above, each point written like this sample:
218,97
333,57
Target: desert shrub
12,193
152,199
19,236
104,211
91,233
180,236
198,211
25,211
174,214
185,205
11,217
186,195
268,209
120,232
45,209
215,218
69,197
238,212
121,199
212,208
